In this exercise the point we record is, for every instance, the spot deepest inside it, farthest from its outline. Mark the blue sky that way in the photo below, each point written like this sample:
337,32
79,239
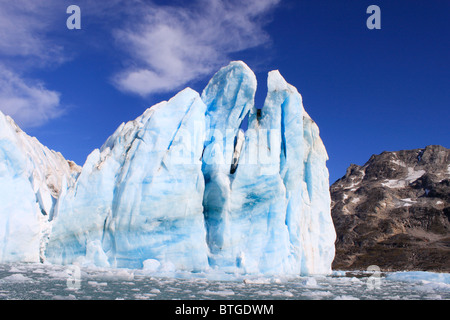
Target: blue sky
368,90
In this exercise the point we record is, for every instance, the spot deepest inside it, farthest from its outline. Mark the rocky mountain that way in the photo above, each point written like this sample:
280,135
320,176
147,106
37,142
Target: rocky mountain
394,212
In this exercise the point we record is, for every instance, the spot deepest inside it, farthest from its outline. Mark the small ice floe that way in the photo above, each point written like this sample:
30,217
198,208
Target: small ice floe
15,278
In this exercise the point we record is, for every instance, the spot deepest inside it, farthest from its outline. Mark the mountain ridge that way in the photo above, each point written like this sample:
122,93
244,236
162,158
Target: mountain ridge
394,211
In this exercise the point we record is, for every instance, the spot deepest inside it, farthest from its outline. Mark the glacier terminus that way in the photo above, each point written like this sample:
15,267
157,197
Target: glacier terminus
184,187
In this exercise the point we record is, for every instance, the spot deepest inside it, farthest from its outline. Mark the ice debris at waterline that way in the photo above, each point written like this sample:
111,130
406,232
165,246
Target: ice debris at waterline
33,281
182,188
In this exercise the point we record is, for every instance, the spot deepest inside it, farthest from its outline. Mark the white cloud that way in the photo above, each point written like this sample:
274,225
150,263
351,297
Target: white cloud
170,46
24,26
32,38
166,46
29,103
25,45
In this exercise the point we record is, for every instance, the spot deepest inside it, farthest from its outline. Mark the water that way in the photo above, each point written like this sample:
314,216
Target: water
50,282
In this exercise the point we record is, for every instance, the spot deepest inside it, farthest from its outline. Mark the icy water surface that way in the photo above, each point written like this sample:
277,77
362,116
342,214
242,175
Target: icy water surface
42,282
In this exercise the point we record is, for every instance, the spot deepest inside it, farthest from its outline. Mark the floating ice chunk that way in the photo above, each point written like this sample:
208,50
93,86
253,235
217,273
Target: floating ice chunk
311,282
151,265
345,297
222,293
16,278
418,276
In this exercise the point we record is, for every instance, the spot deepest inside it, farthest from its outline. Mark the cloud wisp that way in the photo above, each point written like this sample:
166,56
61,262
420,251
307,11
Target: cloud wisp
28,102
24,45
161,47
169,46
25,25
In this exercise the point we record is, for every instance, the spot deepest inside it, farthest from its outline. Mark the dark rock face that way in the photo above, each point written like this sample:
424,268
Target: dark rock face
394,212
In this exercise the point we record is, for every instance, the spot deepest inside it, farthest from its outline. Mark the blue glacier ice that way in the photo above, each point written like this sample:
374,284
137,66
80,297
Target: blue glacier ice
272,214
184,188
31,177
139,197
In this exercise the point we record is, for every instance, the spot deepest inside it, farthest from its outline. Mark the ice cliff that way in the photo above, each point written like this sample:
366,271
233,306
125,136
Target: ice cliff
183,187
266,203
140,196
31,178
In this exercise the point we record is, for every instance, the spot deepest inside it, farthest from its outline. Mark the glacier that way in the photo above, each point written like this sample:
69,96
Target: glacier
31,178
140,196
181,188
271,215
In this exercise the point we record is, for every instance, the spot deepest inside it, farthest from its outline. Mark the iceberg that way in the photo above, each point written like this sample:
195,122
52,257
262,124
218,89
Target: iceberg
186,187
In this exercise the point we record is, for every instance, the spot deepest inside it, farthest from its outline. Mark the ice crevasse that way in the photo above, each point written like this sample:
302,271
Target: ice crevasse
184,187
